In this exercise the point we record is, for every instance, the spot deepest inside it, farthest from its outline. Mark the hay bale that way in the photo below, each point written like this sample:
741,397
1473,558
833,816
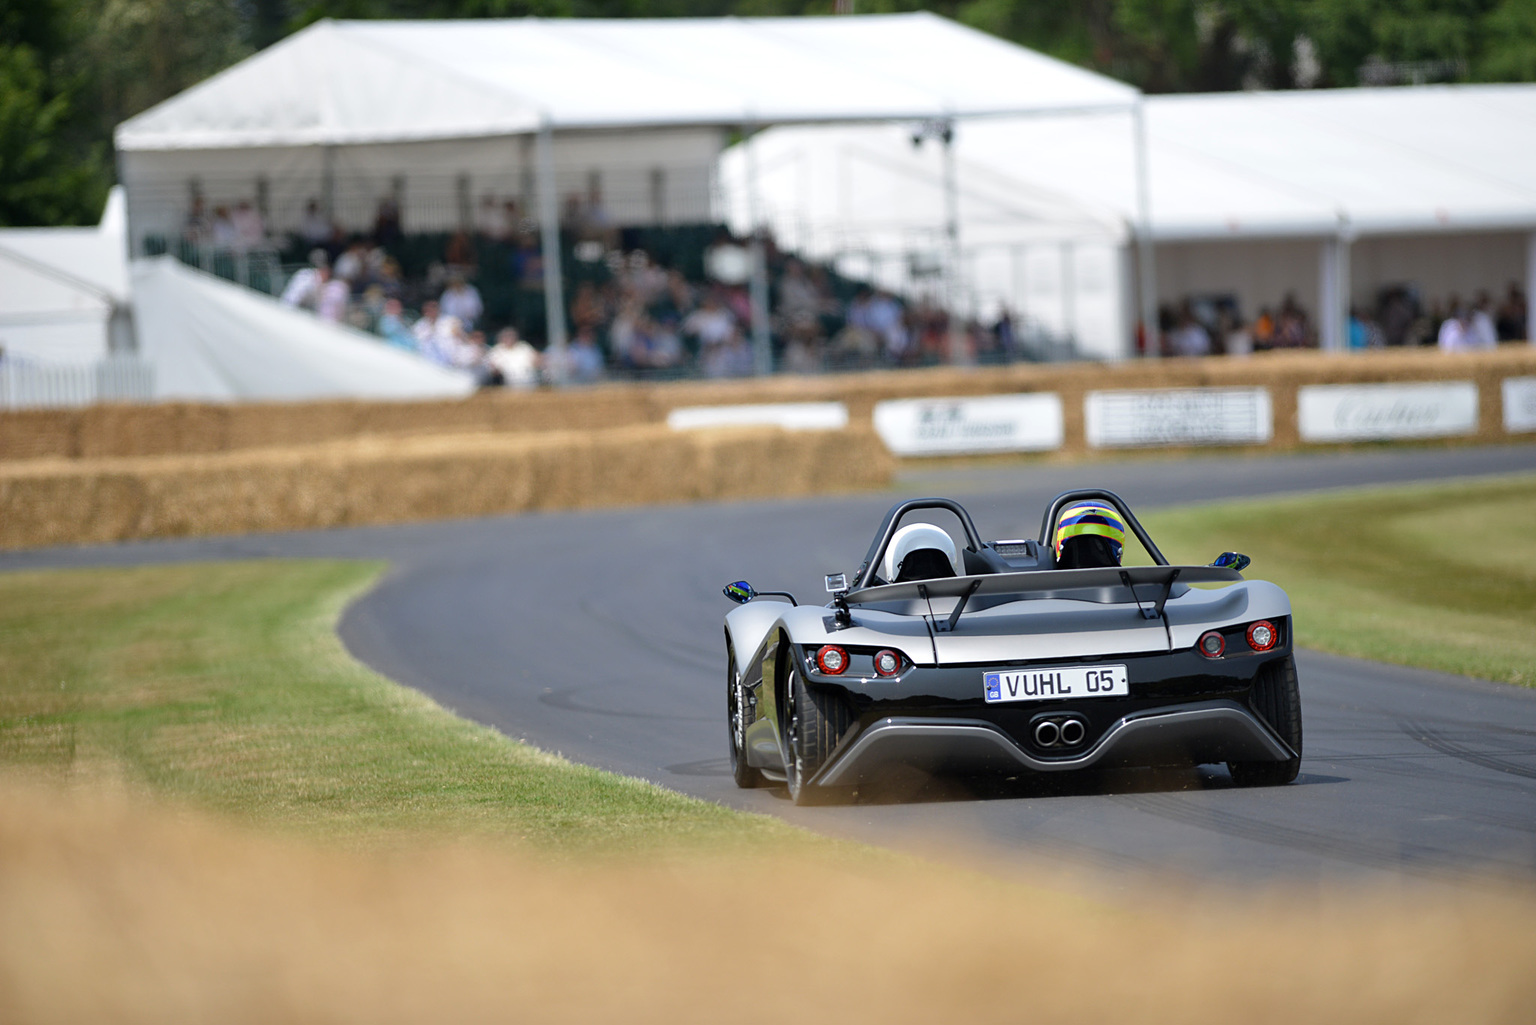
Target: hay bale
184,428
163,428
381,480
39,434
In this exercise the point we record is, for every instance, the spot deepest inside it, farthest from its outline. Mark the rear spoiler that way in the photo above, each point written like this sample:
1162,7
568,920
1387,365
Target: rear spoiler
1158,581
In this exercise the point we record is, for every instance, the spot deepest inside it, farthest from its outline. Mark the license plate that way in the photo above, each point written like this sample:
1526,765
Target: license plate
1063,682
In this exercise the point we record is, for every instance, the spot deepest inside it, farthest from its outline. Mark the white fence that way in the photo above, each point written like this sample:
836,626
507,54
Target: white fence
114,379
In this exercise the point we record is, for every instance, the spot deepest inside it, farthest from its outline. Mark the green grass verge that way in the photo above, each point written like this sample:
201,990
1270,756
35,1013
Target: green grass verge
225,684
1441,576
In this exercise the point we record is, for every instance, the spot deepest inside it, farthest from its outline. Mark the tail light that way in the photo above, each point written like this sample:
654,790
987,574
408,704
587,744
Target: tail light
1262,635
832,660
1212,643
887,662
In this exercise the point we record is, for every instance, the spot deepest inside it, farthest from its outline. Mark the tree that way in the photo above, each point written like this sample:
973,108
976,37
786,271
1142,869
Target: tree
131,54
51,172
71,71
1509,54
1393,42
41,180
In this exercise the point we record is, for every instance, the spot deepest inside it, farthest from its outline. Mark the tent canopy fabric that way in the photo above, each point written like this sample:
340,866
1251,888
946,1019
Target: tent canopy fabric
93,260
212,341
60,286
830,188
341,82
1298,163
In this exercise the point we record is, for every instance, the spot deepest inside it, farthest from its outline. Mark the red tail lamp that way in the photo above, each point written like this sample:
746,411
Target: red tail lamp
1212,644
832,660
1262,635
887,662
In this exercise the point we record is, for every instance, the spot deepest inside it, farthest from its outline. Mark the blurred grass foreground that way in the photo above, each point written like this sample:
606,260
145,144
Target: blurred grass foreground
208,811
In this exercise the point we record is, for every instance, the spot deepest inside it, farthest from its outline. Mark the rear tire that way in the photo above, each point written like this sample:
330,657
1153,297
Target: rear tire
745,775
816,721
1277,699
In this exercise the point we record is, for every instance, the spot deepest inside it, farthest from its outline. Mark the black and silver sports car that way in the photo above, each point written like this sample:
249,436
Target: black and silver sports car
1034,655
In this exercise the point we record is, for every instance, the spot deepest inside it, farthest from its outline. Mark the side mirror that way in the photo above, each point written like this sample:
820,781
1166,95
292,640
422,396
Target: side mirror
1232,560
740,592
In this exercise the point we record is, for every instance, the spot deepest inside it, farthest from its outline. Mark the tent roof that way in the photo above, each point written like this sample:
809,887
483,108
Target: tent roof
213,341
1407,159
804,187
340,82
91,261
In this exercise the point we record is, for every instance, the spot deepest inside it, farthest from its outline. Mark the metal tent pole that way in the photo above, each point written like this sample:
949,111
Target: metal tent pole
1334,290
1530,288
1345,286
1146,264
952,226
549,225
328,182
1069,293
762,340
1328,294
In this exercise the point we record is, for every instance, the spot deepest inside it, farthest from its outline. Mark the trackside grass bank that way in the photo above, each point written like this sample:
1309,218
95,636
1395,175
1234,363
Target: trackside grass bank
225,685
1439,576
123,910
208,812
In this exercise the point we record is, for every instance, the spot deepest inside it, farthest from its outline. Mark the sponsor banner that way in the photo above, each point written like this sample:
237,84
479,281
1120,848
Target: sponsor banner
1365,412
1519,404
791,416
1178,416
994,423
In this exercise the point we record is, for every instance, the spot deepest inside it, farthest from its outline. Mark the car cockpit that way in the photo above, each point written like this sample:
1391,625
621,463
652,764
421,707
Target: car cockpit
1089,529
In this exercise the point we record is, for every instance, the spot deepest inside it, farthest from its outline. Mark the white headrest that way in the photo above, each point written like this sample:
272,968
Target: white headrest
912,537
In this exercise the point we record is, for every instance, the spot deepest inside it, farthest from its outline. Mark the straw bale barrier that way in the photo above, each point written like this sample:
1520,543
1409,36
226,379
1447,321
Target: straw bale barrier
108,473
185,428
395,480
1283,373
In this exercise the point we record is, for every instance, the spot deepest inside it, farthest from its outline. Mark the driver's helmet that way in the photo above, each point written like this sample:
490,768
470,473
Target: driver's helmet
1089,534
919,551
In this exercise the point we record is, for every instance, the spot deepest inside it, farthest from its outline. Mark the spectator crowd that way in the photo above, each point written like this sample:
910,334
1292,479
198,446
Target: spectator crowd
667,302
1214,326
671,303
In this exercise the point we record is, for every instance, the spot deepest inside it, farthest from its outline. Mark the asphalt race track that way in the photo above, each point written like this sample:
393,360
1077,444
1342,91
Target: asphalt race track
598,635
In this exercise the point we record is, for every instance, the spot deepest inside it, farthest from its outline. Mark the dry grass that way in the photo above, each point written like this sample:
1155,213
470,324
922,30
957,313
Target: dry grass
210,814
113,908
1396,574
180,428
112,473
369,480
223,685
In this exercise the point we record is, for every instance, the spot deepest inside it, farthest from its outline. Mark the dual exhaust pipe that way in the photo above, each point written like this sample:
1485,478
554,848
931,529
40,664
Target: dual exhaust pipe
1065,732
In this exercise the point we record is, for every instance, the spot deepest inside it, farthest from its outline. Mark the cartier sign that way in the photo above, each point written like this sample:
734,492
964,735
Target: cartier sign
1365,412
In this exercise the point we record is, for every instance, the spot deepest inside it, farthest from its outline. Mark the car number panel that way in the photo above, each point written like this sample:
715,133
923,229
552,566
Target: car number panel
1052,683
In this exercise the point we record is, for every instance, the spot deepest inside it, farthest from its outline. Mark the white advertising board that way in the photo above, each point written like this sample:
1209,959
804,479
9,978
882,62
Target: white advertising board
791,416
1365,412
1519,404
1178,416
994,423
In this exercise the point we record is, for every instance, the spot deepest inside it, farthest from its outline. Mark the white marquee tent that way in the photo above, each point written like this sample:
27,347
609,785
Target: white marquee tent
78,324
1297,163
873,202
350,111
341,83
1328,193
61,287
212,341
